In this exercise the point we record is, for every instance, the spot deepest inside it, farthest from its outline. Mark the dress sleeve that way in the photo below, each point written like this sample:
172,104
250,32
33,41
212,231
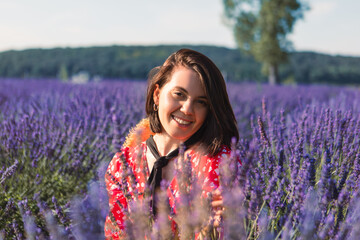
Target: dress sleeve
209,166
115,221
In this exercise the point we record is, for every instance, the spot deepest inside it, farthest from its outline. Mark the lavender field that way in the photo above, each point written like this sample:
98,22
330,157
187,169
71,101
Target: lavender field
299,148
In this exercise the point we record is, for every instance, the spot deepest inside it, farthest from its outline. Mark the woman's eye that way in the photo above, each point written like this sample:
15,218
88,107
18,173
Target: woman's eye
202,102
179,94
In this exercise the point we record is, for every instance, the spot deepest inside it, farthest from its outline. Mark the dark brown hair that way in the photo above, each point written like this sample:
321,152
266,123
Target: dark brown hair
220,124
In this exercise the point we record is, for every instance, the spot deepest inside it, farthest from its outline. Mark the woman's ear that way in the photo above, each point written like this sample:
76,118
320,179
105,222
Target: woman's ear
156,95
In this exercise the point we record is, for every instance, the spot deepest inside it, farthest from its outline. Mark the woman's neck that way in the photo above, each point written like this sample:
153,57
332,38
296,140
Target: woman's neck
165,144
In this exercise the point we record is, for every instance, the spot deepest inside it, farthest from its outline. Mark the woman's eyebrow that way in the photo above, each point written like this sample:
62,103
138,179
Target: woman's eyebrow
185,91
182,89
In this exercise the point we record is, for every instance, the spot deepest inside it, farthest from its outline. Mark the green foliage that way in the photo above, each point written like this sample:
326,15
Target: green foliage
63,74
310,67
126,62
134,62
48,156
260,28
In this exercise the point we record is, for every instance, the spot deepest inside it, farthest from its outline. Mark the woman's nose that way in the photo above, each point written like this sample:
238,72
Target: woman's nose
187,107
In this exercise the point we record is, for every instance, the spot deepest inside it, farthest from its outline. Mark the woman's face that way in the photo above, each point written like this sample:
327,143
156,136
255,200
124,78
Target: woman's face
182,103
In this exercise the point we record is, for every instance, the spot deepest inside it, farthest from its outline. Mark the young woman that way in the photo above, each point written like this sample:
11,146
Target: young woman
186,102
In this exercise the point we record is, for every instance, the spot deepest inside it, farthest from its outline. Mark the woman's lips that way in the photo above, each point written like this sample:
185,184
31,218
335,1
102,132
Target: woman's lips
181,120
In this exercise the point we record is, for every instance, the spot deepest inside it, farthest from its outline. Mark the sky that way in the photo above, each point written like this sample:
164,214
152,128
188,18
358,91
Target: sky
330,26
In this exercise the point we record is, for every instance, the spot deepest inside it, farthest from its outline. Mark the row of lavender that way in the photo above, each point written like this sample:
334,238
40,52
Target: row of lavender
53,137
299,177
299,151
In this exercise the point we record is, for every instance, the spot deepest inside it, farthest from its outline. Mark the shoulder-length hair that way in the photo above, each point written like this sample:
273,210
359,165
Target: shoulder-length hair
220,125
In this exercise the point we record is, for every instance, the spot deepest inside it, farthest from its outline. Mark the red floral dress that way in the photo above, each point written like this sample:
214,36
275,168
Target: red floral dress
205,167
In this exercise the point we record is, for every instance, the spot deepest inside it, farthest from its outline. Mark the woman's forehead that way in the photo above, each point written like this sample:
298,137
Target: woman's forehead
186,79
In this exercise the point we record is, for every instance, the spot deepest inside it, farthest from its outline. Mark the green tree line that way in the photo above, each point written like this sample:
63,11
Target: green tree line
135,62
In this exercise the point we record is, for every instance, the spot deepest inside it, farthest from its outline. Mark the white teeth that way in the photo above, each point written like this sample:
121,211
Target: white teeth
181,121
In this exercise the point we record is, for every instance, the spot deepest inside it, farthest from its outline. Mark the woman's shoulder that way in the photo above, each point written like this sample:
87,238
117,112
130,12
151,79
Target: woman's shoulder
206,167
202,158
215,159
134,142
127,154
224,151
201,150
139,133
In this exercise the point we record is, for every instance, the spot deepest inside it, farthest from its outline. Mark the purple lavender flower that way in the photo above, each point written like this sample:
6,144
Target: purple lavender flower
311,172
73,125
16,229
310,216
327,230
263,135
28,220
9,171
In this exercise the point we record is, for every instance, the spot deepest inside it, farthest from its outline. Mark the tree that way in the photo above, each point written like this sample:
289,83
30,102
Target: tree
63,73
260,28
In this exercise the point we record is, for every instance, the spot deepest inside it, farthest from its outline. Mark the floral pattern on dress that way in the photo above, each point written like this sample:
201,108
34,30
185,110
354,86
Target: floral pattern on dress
123,188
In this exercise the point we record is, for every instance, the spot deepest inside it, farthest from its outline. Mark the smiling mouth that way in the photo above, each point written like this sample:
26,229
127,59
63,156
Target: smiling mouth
181,121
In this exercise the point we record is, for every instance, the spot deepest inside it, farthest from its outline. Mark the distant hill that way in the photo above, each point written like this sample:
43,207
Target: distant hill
134,62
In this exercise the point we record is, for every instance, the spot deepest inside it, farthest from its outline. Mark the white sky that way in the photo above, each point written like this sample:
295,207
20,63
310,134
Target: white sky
331,26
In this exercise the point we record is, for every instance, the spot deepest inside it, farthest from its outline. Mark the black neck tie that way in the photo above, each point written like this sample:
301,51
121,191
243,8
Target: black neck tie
155,178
